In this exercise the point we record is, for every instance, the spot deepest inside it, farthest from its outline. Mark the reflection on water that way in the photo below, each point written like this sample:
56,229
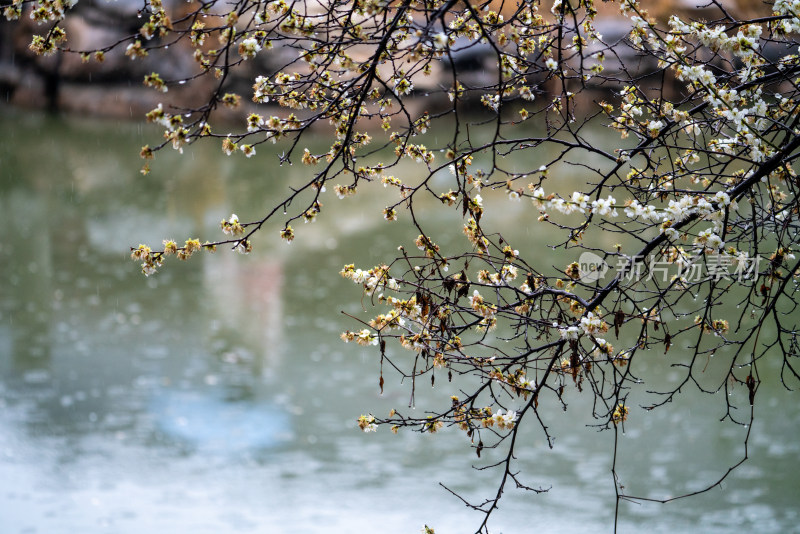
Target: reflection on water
216,396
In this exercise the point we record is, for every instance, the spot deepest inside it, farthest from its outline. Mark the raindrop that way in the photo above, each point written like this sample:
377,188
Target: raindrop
36,376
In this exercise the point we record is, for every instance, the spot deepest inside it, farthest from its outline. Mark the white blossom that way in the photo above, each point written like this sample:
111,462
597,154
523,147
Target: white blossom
605,206
569,333
591,324
249,47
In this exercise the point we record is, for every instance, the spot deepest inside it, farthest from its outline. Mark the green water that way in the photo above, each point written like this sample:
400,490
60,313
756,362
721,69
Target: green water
217,397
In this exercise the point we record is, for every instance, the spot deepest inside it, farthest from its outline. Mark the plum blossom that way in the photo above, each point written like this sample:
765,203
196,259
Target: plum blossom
248,48
605,206
539,198
568,333
709,240
440,41
504,420
592,324
580,201
367,423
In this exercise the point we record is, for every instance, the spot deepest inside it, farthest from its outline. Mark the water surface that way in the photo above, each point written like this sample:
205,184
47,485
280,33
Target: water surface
217,397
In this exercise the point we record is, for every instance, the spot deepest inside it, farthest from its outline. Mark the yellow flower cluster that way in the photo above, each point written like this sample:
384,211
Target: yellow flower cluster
620,414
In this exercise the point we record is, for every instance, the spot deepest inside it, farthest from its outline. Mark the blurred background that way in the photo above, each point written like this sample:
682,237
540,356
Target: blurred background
216,396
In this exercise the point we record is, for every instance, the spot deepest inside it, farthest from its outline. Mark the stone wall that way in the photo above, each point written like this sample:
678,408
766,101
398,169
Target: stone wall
65,82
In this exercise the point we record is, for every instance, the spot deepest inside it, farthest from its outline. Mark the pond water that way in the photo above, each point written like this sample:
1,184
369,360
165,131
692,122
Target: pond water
217,397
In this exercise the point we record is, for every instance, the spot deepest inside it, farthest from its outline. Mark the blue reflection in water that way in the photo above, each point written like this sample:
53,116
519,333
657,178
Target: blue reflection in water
216,422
